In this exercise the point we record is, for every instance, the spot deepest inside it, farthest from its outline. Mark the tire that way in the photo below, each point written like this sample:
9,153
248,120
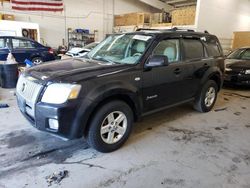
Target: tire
37,60
107,118
204,102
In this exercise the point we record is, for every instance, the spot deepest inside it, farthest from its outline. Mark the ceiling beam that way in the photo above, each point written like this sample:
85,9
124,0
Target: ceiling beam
185,4
158,4
175,1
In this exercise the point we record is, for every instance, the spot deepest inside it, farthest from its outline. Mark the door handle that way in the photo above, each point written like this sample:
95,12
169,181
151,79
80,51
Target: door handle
177,71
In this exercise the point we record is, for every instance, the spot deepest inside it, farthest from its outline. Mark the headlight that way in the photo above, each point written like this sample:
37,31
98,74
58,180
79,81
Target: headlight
228,69
60,93
247,71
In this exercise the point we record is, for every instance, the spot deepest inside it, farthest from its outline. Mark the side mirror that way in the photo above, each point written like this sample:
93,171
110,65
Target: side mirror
157,61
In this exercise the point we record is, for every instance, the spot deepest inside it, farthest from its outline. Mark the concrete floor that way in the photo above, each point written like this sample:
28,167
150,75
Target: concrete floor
178,147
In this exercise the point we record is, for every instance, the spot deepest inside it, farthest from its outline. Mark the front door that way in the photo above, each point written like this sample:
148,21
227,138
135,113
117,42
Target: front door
166,85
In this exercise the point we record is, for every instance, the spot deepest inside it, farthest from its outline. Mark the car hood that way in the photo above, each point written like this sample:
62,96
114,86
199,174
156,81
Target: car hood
237,64
71,70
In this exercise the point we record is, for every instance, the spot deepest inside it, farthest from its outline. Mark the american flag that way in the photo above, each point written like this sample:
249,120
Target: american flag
37,5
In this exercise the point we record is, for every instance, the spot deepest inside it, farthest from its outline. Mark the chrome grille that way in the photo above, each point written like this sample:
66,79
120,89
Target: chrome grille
28,90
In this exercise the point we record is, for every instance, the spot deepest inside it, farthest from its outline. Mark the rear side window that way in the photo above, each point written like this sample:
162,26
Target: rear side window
193,49
212,47
5,43
19,43
169,48
2,43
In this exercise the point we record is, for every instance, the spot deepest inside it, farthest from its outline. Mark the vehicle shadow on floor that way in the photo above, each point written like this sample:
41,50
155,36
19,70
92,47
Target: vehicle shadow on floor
32,148
163,117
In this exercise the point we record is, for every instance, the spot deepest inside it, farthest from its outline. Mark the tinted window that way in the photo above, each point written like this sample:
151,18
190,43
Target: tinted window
212,47
193,49
246,55
19,43
169,48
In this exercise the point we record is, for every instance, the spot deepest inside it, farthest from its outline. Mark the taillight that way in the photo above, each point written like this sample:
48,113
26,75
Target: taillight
51,51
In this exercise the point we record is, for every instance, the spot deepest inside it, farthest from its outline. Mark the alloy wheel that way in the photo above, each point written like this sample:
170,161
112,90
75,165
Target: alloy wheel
210,96
113,127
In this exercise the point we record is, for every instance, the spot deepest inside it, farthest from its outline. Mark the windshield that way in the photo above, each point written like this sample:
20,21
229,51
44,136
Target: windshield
235,54
123,49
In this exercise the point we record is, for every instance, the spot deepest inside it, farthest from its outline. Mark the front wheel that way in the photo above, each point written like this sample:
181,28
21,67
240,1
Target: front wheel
110,126
207,97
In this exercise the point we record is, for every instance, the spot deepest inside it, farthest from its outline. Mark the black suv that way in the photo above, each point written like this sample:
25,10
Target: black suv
122,79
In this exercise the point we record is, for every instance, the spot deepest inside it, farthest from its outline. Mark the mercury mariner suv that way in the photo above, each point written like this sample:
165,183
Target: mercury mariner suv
123,78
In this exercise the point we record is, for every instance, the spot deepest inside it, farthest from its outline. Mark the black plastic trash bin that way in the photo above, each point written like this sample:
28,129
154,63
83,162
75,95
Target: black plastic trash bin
8,75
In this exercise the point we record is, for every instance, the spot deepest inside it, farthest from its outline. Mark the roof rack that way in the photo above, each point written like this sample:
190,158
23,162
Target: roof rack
172,29
178,29
146,29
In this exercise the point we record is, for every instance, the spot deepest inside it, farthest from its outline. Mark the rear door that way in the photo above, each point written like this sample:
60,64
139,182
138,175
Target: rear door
202,53
166,85
194,58
22,49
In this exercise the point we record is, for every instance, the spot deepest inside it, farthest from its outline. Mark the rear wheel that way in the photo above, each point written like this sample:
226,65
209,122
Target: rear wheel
207,97
110,126
37,60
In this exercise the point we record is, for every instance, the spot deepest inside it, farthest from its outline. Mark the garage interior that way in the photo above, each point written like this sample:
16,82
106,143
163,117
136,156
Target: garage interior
176,147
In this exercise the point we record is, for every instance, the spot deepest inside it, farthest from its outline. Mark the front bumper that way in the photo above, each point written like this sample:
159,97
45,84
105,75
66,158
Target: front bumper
237,78
65,114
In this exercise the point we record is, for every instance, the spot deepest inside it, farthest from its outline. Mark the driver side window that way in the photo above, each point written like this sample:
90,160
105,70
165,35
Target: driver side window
169,48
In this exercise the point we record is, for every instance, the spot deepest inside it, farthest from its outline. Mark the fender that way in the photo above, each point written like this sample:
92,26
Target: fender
99,94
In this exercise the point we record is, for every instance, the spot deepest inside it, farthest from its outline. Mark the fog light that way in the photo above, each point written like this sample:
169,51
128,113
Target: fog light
53,124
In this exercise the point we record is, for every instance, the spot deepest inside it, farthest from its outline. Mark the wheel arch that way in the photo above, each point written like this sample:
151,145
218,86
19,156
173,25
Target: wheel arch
217,78
92,103
35,56
214,73
121,97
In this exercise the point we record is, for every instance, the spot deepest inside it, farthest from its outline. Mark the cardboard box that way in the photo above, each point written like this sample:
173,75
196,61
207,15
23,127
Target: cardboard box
157,18
241,39
184,16
8,17
1,16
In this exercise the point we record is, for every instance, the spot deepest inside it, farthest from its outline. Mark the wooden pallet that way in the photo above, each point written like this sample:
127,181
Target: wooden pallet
162,25
132,19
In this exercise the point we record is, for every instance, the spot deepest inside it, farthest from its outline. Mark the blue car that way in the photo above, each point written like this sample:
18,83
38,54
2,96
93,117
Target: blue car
23,48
